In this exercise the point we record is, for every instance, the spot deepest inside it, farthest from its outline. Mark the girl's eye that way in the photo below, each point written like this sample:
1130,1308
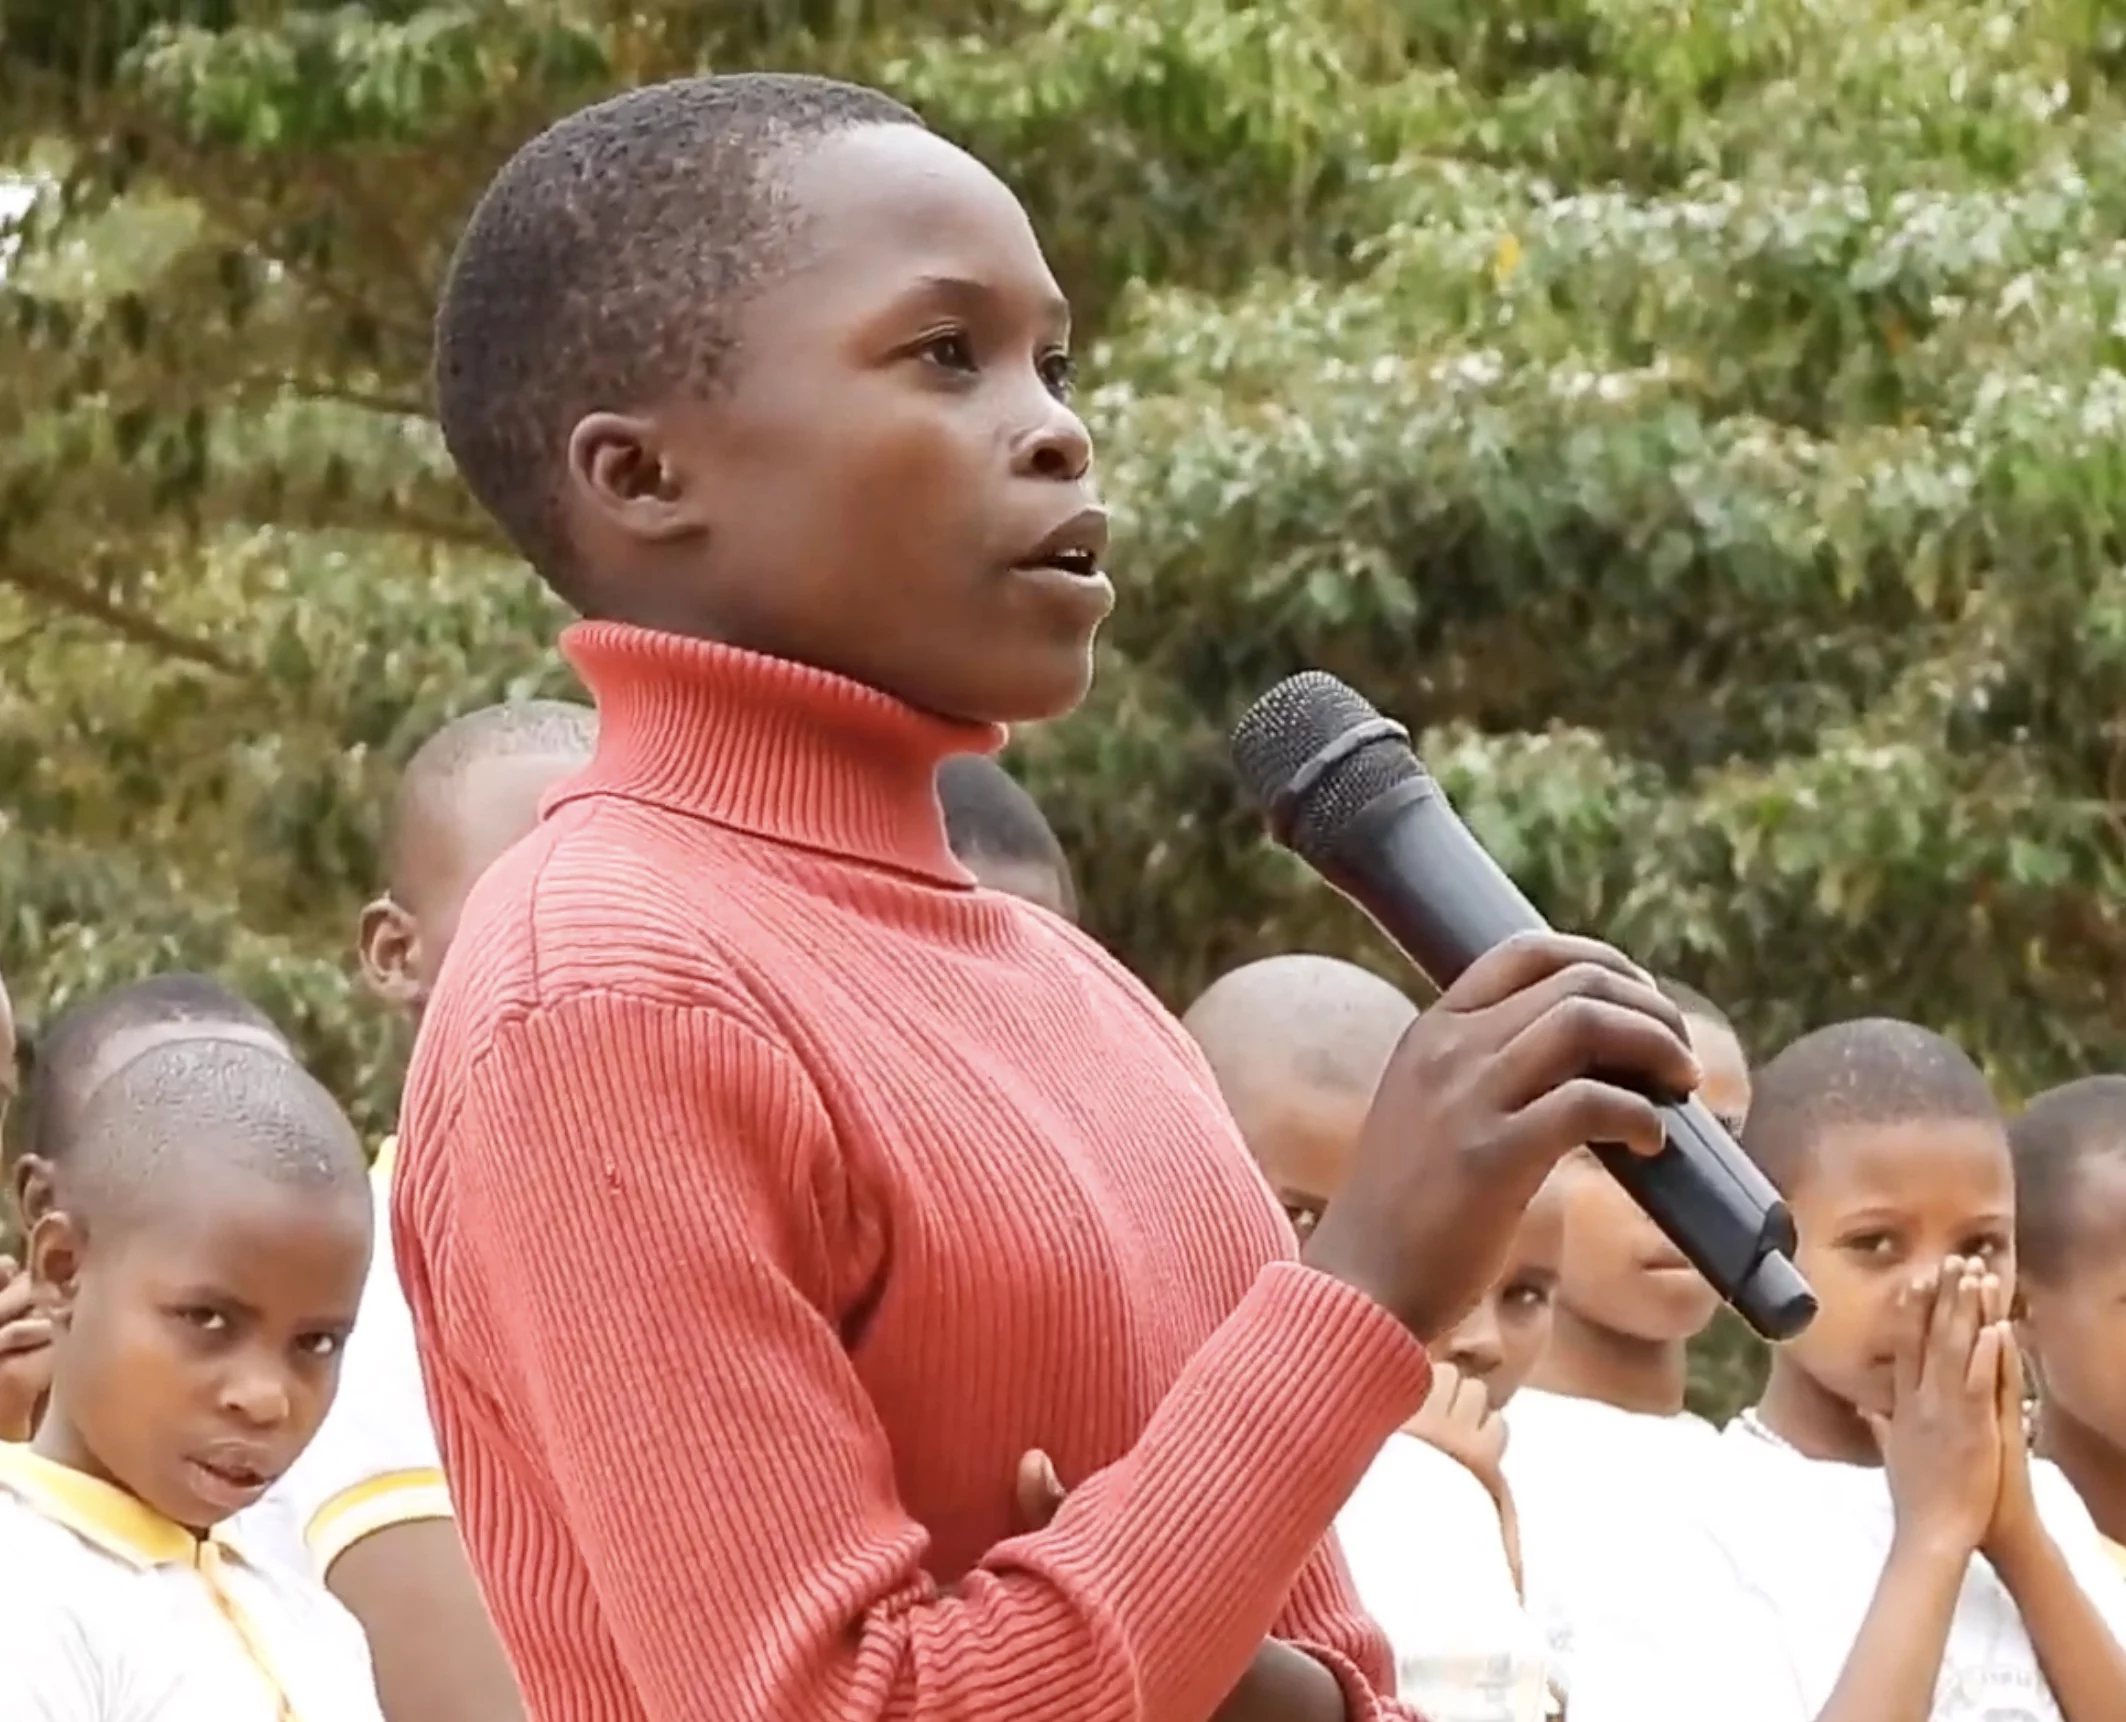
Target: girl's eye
951,349
206,1320
1060,372
323,1344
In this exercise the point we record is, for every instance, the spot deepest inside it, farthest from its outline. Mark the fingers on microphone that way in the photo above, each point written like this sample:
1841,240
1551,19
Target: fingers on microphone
1587,1109
1588,1018
1526,959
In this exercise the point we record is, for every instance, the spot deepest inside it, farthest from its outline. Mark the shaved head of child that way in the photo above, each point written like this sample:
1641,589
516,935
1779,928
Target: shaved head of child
1298,1045
81,1048
203,1272
470,793
1890,1149
1001,836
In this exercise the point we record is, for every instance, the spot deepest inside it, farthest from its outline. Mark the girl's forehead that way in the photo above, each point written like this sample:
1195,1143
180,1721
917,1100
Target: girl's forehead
1948,1171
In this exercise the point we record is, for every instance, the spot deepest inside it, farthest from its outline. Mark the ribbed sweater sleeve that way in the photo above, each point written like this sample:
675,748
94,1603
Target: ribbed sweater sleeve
741,1528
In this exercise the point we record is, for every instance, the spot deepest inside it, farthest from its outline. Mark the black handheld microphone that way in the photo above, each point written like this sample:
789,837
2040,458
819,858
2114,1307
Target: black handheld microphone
1343,791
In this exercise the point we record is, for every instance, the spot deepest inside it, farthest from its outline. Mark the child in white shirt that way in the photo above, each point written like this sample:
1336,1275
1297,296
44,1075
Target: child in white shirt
202,1269
1431,1532
73,1056
1298,1045
1602,1424
1630,1304
1874,1542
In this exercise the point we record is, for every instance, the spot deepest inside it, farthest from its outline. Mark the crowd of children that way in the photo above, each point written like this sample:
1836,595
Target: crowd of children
1923,1518
224,1516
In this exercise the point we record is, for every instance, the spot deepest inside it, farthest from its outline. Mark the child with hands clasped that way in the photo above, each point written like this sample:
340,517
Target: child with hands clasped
1961,1483
1874,1542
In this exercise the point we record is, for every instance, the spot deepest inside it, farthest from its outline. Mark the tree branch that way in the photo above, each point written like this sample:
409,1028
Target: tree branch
85,601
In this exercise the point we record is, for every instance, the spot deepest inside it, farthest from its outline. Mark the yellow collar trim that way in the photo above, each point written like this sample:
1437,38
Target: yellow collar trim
387,1156
117,1523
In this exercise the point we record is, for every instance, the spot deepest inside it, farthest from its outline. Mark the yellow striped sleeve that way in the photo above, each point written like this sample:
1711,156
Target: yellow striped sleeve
395,1498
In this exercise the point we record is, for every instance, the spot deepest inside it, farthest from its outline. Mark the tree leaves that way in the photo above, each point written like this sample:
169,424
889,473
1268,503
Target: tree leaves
1703,424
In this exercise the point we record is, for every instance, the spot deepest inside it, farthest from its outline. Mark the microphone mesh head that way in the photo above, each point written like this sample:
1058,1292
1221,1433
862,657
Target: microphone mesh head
1347,790
1291,725
1288,726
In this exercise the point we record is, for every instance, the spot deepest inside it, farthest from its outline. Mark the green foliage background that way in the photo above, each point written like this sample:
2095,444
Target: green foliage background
1704,422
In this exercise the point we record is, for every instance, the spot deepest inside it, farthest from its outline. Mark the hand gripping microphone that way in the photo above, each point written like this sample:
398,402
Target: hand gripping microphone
1343,791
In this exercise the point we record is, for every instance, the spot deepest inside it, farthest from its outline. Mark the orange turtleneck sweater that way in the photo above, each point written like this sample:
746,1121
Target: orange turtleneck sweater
766,1190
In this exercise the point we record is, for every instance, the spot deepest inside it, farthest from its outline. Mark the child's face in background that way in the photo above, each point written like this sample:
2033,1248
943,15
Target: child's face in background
1876,1205
200,1338
1304,1142
1502,1340
403,944
2074,1314
1622,1275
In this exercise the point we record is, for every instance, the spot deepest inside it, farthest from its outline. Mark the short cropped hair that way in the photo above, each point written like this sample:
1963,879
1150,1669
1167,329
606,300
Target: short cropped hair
58,1061
515,729
1297,1021
990,817
605,269
2057,1137
1875,1070
249,1109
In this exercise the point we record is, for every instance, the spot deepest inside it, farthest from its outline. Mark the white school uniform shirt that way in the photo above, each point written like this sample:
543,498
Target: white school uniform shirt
1582,1472
111,1613
1427,1553
1750,1605
374,1462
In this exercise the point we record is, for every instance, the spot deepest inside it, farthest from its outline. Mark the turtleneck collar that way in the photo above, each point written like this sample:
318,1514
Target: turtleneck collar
768,746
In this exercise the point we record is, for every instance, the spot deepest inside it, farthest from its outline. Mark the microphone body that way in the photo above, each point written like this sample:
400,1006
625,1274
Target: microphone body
1364,814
